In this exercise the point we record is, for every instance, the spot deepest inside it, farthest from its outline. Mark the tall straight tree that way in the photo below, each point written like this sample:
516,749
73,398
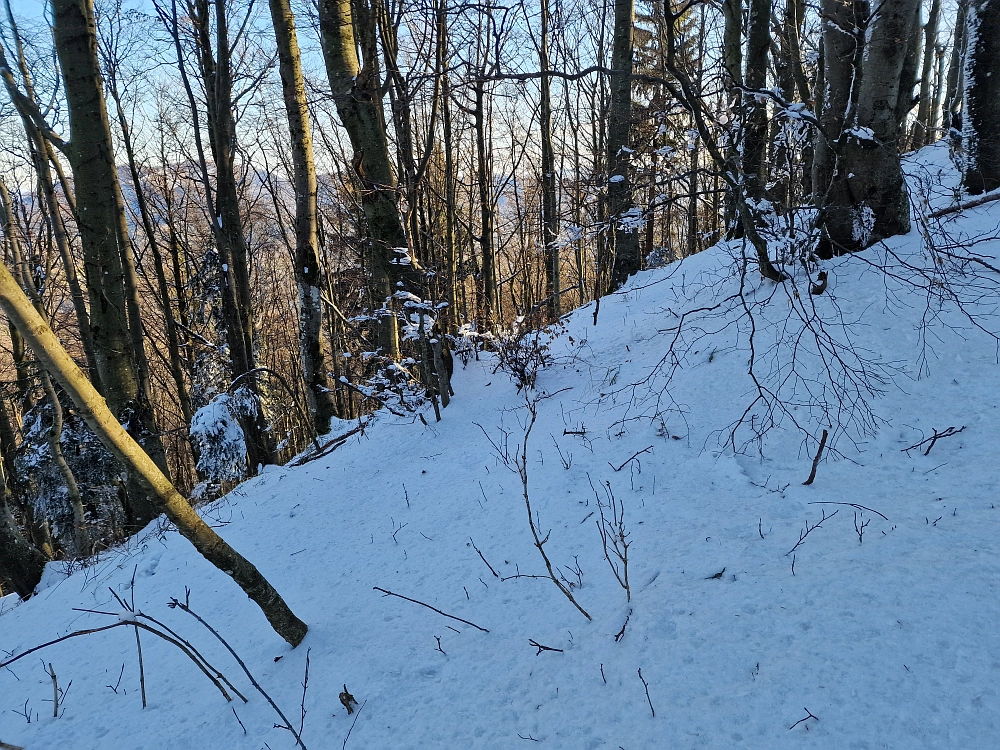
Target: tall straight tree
924,126
623,237
550,219
223,204
981,118
755,108
857,172
101,222
307,272
356,90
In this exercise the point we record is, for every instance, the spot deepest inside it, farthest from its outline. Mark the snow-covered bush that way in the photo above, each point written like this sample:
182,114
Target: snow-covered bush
220,441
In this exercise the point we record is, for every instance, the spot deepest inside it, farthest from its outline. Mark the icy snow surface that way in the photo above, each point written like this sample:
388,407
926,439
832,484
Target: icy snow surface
888,642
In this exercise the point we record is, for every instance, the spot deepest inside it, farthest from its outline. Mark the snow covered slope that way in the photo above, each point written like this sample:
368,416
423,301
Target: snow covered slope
880,629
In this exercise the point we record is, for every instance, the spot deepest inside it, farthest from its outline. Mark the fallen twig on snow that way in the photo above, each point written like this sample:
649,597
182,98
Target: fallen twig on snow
422,604
808,716
809,529
541,648
646,685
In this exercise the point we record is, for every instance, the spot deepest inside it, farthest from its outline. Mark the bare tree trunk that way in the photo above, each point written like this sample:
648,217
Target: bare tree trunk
357,93
489,307
224,207
624,238
955,84
307,270
755,108
100,218
981,108
20,562
92,407
732,63
881,201
924,126
550,217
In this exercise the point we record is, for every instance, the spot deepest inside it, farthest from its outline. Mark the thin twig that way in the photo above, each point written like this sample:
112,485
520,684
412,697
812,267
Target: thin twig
495,574
634,457
305,687
354,722
951,431
422,604
852,505
646,685
809,529
541,648
808,716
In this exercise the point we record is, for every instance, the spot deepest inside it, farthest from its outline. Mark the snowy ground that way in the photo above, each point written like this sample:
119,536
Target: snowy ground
886,641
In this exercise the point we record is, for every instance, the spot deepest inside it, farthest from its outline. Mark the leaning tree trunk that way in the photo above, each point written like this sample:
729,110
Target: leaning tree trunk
307,271
94,410
981,117
623,236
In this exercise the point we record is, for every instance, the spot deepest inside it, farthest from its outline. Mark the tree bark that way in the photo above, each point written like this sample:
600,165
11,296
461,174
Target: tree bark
20,562
307,271
94,410
881,200
624,238
100,218
357,93
924,126
981,108
755,108
955,84
550,218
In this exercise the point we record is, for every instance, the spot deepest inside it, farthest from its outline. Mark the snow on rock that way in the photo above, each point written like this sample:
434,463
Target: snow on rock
877,630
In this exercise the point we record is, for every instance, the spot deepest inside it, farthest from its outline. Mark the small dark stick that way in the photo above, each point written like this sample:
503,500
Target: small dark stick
621,633
808,716
646,685
541,648
481,557
55,691
238,719
819,454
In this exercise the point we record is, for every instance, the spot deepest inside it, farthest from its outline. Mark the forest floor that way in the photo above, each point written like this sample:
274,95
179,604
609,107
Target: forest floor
878,630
